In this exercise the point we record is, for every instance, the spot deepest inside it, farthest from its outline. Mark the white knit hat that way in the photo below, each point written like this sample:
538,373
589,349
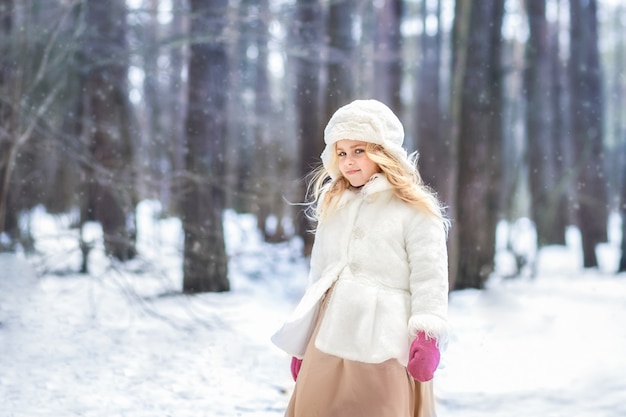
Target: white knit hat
367,121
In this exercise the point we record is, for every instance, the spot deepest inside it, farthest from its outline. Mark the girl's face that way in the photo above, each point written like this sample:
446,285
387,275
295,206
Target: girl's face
354,163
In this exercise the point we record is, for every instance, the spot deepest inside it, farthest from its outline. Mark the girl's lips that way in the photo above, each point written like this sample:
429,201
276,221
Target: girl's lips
352,171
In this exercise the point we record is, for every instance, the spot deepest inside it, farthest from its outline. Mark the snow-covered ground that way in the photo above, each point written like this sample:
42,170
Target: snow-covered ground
123,341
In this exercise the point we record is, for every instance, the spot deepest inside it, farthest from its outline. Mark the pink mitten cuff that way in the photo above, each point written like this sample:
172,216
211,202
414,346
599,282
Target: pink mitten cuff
424,358
295,367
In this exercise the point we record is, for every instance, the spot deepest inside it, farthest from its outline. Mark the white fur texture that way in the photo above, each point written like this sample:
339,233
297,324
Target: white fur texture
367,121
389,266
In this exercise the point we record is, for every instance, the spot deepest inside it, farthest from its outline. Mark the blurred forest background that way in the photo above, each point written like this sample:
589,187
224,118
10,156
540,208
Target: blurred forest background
517,108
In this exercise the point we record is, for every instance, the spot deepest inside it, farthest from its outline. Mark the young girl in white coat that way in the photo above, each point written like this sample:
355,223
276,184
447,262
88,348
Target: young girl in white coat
365,337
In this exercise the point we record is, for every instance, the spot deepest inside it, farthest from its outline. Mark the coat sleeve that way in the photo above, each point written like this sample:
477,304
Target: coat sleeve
425,241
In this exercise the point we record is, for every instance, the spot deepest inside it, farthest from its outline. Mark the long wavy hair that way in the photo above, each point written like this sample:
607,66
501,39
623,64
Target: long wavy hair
324,192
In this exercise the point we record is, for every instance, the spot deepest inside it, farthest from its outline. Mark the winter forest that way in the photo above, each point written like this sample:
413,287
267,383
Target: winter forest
516,108
154,162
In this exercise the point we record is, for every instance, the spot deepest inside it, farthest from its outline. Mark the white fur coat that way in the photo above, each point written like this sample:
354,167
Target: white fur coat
389,266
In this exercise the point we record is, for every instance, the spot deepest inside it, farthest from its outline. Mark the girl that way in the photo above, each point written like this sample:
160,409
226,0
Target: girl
365,337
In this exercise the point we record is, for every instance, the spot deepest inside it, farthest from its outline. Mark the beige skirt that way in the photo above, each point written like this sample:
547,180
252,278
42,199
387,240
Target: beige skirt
329,386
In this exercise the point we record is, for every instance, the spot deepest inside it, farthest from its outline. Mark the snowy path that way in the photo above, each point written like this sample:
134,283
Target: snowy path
107,345
551,347
74,346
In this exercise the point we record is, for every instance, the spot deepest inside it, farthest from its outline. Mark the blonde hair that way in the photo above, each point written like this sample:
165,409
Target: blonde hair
408,186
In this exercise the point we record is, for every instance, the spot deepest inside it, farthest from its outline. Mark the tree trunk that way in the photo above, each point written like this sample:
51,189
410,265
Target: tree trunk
205,266
479,173
460,46
388,55
154,140
561,138
340,81
7,141
433,145
541,149
110,181
620,128
268,156
587,131
242,151
308,37
177,102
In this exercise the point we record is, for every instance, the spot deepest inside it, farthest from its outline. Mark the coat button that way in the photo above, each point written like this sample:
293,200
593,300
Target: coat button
358,233
354,267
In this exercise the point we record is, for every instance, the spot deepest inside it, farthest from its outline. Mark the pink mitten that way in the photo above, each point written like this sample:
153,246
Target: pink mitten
295,367
423,358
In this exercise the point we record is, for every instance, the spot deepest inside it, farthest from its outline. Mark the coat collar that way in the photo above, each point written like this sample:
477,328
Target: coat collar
370,191
377,184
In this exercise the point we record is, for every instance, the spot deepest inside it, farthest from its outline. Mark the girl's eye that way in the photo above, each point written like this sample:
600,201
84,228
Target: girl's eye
359,150
342,153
